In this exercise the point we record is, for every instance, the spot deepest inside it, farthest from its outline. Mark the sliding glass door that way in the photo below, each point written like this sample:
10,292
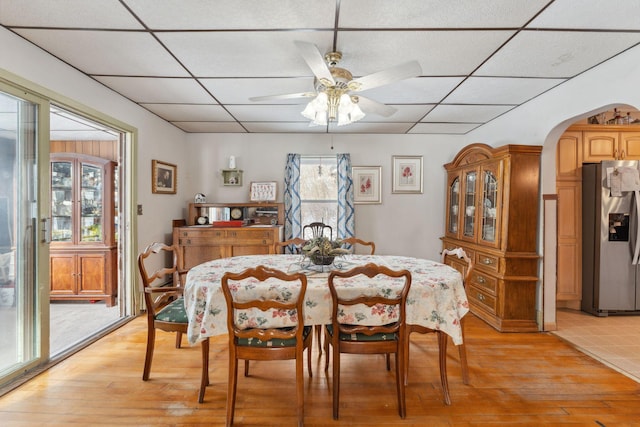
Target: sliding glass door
20,303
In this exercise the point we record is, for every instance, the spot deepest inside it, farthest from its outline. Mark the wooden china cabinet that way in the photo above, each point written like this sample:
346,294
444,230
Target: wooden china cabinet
492,212
83,242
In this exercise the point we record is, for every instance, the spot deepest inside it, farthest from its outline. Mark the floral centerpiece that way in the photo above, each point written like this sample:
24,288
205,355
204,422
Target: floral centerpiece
322,250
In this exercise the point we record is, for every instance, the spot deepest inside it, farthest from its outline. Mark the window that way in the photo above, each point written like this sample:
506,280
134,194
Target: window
319,190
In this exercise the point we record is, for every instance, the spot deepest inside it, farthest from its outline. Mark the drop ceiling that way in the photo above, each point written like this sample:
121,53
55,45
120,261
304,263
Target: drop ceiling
196,63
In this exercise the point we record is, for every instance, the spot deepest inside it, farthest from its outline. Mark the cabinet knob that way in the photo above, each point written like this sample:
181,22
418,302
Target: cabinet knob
487,261
481,279
481,297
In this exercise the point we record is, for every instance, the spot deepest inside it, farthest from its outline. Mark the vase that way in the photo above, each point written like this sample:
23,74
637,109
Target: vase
322,259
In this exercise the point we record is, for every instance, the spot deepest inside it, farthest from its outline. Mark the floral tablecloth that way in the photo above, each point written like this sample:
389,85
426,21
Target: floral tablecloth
436,299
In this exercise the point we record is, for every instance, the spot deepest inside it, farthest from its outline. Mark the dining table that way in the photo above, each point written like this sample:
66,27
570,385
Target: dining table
436,299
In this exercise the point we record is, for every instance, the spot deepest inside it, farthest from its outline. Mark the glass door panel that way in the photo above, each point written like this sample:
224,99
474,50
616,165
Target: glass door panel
18,245
61,201
490,199
91,204
454,205
469,216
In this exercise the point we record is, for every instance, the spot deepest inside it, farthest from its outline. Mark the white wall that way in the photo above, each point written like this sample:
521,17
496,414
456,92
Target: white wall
404,224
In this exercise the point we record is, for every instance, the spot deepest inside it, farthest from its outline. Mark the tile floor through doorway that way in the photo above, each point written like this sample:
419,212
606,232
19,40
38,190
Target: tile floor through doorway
613,340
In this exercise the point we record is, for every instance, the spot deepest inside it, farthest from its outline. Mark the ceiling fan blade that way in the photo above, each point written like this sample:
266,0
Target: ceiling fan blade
315,60
284,96
390,75
370,106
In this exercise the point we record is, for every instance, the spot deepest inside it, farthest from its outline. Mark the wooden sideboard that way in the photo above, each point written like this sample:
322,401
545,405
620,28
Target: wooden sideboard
492,212
201,243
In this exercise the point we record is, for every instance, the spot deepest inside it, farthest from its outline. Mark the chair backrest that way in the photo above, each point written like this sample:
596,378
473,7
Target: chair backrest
460,253
161,275
245,308
317,229
354,240
393,302
294,245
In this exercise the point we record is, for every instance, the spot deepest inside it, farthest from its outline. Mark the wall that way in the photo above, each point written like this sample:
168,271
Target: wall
404,224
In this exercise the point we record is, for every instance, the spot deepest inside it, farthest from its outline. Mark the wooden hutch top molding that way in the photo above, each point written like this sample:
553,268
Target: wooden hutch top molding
478,152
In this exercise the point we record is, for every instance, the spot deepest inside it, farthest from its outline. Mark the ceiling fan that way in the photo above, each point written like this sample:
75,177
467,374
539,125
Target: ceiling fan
335,97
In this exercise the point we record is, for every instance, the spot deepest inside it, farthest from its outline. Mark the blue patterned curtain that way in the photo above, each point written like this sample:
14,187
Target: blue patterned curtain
292,213
346,214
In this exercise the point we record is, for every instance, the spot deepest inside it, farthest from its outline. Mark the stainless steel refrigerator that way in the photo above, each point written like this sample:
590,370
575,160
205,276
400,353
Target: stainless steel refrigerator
610,240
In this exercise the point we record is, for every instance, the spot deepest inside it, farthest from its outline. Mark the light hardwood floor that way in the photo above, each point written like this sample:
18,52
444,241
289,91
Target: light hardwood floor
516,379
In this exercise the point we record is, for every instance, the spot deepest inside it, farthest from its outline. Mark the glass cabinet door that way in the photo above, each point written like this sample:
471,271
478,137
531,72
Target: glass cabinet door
469,213
91,204
490,204
454,205
61,201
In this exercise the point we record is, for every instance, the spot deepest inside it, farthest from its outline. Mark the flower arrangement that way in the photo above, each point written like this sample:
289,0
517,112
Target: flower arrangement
322,250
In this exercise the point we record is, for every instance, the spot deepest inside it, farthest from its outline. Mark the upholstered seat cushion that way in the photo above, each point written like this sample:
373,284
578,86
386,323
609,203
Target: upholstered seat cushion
254,342
364,337
174,312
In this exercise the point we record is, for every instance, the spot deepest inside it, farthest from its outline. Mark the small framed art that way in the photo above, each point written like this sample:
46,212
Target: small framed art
263,191
164,177
406,174
366,183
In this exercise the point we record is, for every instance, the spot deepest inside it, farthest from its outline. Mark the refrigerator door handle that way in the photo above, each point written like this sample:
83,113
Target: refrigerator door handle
636,244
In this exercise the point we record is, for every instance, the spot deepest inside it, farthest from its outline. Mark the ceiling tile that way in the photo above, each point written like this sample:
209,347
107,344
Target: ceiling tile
210,127
488,90
240,54
158,90
437,13
417,90
107,52
189,112
229,14
283,127
555,53
67,13
590,14
262,113
404,113
466,113
444,128
364,127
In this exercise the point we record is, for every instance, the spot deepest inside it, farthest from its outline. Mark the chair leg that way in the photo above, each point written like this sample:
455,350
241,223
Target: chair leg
400,388
151,339
300,387
204,378
319,338
388,357
327,341
405,358
463,358
178,339
231,388
309,368
336,380
442,350
246,368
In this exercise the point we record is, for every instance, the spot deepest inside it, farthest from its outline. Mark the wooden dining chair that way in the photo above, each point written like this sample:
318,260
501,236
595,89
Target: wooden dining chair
353,241
389,338
165,306
442,337
316,229
294,245
249,340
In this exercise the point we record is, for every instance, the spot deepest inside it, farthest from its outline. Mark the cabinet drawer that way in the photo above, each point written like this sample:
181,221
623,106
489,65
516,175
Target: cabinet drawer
483,281
251,234
206,233
481,298
487,261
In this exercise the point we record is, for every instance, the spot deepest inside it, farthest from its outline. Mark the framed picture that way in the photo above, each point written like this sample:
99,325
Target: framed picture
164,177
366,184
406,174
263,191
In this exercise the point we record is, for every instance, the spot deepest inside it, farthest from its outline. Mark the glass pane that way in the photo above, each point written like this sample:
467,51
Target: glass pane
319,190
490,198
454,204
470,204
18,297
91,204
61,201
